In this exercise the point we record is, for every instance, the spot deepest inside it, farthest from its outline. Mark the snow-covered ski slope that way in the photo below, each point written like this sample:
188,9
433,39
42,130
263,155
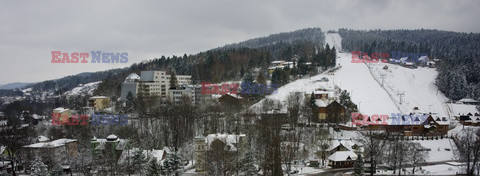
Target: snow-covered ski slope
356,79
364,84
364,81
417,84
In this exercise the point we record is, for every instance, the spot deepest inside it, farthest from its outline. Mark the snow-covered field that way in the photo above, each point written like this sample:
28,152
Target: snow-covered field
440,150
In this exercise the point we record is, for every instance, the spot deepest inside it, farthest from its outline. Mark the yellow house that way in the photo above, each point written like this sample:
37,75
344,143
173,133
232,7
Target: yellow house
99,102
63,112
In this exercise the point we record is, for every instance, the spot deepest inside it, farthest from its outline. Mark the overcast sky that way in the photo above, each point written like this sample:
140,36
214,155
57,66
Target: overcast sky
30,30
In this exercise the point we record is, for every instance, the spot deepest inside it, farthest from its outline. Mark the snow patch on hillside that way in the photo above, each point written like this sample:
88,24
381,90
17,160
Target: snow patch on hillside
83,89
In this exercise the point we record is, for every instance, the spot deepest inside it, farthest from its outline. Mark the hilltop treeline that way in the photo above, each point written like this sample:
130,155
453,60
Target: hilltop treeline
459,66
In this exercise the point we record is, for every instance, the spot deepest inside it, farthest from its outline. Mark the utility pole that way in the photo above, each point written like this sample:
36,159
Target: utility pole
401,96
382,76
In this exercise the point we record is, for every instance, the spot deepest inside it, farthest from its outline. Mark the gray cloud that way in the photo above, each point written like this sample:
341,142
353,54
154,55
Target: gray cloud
30,30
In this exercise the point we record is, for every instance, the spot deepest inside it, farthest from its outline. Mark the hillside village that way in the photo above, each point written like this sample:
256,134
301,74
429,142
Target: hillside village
318,122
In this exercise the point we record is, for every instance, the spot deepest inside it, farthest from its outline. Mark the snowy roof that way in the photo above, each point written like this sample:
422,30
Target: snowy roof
60,109
98,97
121,143
273,68
321,103
229,139
42,139
331,94
36,116
112,137
346,143
51,144
237,96
157,154
132,76
149,155
342,156
468,100
423,58
276,62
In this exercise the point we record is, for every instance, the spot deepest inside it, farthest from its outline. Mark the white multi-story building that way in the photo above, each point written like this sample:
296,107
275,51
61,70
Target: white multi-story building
151,83
193,92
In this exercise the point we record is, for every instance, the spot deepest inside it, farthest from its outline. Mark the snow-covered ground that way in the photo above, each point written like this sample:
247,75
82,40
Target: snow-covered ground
418,86
459,128
440,150
356,78
364,90
439,169
83,89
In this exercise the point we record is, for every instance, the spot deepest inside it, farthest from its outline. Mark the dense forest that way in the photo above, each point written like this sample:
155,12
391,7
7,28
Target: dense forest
459,66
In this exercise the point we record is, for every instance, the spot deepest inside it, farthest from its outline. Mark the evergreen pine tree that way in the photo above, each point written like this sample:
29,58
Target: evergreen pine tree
247,83
171,164
39,168
153,168
312,100
358,166
261,78
313,107
302,67
334,57
248,167
137,160
173,80
280,77
344,97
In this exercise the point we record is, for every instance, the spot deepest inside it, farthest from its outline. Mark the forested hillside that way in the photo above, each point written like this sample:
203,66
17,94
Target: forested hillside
232,62
459,66
229,62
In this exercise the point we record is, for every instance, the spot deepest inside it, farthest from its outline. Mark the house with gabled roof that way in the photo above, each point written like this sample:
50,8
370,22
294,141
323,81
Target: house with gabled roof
52,152
342,159
342,153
